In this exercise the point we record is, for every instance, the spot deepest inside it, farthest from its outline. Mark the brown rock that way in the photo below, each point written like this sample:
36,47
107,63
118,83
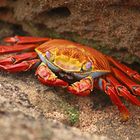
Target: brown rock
113,23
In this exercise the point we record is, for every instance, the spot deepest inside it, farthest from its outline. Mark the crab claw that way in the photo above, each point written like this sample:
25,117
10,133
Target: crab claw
47,77
83,87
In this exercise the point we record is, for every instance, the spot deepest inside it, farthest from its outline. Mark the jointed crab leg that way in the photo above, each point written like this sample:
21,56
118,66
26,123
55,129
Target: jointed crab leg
131,73
16,48
47,77
18,58
22,66
135,88
122,90
110,90
23,39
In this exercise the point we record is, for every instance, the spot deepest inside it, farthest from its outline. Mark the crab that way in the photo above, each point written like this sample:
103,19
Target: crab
73,66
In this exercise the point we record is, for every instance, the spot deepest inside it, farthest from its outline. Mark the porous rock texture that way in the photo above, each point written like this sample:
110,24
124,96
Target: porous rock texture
114,24
20,120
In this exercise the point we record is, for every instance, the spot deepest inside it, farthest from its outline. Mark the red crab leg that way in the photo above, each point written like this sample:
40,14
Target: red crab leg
122,90
18,58
23,66
135,88
16,48
131,73
110,90
47,77
23,39
82,88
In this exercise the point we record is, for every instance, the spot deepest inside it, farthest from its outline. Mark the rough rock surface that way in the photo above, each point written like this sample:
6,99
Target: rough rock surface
112,23
20,120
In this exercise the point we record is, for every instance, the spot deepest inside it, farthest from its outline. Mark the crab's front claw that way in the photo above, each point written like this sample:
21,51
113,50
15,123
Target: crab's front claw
47,77
82,88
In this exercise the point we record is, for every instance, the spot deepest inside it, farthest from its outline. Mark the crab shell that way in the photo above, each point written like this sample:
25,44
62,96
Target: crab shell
73,60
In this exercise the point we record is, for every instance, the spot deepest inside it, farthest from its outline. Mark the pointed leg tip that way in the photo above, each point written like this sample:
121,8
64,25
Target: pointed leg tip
125,117
124,114
10,39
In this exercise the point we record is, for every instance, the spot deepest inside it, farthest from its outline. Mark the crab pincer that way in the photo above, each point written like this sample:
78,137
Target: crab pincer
82,88
47,77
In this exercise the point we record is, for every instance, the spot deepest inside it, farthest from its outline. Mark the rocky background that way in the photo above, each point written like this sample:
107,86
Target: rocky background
108,25
31,111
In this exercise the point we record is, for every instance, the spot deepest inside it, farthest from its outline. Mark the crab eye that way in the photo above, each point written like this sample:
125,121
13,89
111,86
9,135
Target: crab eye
87,66
49,56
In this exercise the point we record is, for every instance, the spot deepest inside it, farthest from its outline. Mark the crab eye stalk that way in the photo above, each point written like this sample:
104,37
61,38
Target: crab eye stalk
87,66
49,56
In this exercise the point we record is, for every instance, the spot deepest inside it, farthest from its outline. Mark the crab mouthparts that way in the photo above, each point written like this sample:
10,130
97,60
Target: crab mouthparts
66,76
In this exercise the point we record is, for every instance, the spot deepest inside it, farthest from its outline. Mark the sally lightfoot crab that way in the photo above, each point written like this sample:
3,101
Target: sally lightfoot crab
73,66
